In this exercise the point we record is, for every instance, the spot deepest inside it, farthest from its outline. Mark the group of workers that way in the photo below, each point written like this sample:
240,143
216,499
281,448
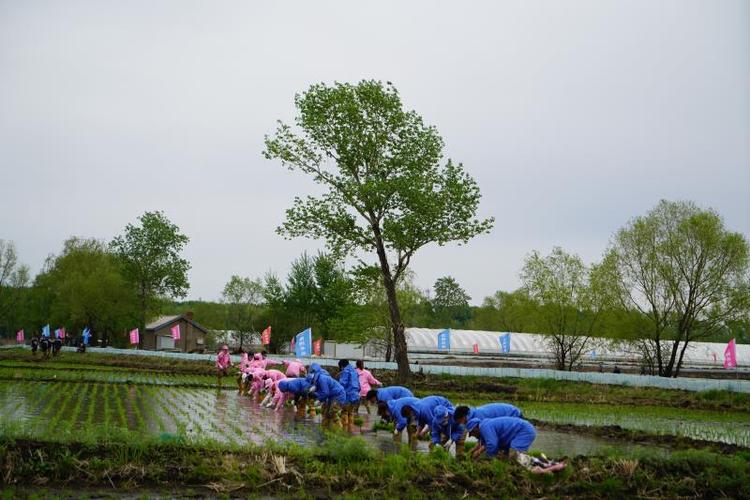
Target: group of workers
500,429
49,347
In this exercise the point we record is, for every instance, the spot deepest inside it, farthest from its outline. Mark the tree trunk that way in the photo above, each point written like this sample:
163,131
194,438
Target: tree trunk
397,327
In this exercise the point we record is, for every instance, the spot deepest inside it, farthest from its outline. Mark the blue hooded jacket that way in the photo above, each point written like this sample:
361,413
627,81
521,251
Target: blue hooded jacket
490,410
314,371
442,423
386,394
297,386
349,379
394,408
498,434
327,390
425,406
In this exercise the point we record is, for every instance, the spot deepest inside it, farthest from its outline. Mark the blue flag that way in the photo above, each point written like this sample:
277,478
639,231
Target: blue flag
504,342
45,331
303,344
444,340
86,335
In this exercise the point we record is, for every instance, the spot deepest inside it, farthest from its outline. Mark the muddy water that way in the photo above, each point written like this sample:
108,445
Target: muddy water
223,416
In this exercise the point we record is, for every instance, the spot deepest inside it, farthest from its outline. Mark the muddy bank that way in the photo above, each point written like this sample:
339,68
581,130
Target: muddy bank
347,466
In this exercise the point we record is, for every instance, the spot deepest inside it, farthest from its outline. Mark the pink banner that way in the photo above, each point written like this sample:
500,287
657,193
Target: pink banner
476,348
291,345
176,332
19,336
265,338
730,355
134,337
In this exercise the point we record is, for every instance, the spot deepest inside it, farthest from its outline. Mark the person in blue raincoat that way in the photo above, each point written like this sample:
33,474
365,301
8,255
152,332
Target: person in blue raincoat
349,380
299,388
501,436
315,371
419,415
509,437
394,414
380,397
465,413
332,396
442,427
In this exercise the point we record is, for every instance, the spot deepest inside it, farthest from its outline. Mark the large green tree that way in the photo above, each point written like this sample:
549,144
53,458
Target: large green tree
14,278
243,297
84,286
684,273
451,302
569,300
386,191
150,253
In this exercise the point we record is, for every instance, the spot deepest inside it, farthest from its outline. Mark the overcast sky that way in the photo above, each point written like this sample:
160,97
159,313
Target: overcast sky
573,117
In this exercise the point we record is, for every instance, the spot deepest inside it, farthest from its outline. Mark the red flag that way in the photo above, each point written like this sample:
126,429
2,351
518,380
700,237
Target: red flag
730,355
476,348
176,331
265,338
316,346
19,336
291,345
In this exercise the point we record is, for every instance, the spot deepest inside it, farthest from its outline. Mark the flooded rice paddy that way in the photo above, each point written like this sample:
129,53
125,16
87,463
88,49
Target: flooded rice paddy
196,413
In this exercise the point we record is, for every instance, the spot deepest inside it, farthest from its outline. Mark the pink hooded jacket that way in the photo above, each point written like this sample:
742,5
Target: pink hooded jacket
275,375
294,368
259,362
245,363
366,380
223,360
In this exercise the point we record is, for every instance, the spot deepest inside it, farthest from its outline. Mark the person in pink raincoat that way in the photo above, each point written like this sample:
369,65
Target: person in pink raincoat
223,362
241,376
260,362
366,381
271,379
294,368
257,375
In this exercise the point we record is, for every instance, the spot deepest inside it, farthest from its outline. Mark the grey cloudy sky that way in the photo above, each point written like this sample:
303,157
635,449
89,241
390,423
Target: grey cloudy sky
574,117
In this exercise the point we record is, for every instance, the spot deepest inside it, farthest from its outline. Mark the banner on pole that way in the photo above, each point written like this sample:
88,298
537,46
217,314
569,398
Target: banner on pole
730,355
317,346
86,335
476,348
19,336
444,340
45,331
265,337
176,331
504,341
303,344
134,337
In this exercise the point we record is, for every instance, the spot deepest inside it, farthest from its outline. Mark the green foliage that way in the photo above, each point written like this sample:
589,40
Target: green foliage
386,192
451,302
150,254
14,277
85,286
243,297
568,301
683,273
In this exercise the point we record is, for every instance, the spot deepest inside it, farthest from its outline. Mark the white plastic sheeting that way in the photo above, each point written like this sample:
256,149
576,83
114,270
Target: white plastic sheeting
462,341
685,384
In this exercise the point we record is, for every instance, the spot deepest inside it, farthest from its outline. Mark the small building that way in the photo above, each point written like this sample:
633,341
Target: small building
158,335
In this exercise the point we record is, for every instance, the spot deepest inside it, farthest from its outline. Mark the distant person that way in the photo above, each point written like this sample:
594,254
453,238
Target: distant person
509,437
349,380
34,345
223,362
45,346
616,369
56,346
366,381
